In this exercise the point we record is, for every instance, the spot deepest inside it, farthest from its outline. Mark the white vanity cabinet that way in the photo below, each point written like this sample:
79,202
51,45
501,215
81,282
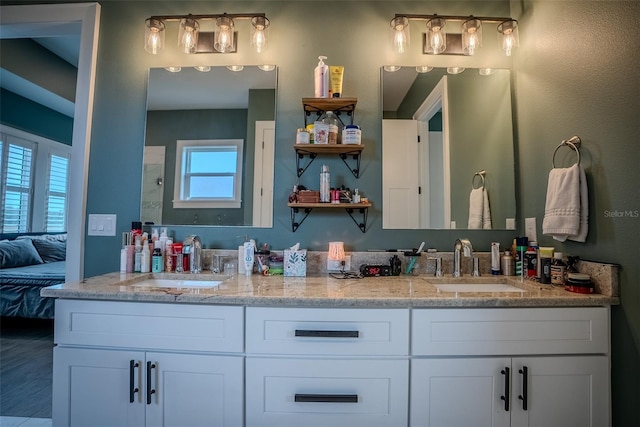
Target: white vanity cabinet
533,367
327,367
148,364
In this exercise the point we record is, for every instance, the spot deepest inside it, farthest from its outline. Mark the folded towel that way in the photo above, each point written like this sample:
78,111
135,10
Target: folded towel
479,212
486,212
566,207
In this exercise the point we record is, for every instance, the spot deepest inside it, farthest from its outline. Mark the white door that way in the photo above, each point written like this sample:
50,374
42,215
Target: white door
195,390
463,392
568,391
400,202
94,388
263,174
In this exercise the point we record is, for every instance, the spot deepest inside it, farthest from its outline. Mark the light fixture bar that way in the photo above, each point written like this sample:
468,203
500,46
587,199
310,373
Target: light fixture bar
417,17
207,17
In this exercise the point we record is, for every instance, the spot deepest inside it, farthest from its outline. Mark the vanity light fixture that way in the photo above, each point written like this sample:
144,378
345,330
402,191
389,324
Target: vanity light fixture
335,256
424,68
436,41
192,40
391,68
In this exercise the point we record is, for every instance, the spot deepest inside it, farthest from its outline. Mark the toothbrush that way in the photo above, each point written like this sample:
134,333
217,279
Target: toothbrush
413,259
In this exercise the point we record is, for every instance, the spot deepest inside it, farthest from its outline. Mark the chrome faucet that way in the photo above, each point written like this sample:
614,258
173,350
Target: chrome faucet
193,246
462,246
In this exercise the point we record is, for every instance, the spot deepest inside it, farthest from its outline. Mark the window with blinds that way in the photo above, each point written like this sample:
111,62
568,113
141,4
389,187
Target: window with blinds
17,170
34,183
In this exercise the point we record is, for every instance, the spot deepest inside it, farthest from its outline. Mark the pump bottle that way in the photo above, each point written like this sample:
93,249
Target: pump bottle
321,79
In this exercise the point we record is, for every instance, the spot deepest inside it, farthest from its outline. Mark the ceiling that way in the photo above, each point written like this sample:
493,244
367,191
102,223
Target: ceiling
67,48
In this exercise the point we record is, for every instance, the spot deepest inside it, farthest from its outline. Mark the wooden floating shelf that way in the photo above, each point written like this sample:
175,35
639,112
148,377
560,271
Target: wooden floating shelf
329,104
350,208
329,148
330,205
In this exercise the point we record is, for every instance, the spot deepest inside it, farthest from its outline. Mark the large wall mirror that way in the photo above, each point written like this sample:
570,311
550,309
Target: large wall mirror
209,146
464,126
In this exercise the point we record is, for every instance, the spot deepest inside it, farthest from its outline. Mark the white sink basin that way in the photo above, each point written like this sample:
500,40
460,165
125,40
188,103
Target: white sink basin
477,287
175,283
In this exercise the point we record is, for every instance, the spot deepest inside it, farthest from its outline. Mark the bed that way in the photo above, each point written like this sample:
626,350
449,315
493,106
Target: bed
27,264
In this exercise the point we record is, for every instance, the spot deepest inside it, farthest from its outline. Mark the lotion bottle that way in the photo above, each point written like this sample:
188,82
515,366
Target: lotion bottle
248,258
321,79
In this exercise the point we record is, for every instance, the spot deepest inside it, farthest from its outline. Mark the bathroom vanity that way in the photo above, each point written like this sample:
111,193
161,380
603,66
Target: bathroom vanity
319,351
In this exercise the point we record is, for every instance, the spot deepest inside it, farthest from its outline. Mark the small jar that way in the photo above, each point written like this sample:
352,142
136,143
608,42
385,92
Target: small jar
579,283
351,134
302,136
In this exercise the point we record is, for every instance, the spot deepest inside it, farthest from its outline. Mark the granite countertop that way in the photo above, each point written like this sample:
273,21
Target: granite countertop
321,291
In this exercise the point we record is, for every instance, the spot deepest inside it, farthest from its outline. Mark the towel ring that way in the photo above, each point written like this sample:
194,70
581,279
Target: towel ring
473,180
573,142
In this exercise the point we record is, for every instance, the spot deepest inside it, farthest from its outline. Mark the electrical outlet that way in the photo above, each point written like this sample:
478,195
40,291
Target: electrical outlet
337,265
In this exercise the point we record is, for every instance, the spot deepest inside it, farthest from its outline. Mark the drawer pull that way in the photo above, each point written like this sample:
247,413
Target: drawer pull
132,384
505,397
326,334
327,398
525,375
150,391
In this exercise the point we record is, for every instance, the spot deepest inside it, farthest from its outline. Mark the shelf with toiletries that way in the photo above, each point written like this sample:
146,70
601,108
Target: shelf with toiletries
361,208
322,105
343,150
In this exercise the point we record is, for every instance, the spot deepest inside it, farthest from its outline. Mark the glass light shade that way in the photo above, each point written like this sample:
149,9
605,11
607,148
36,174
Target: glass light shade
336,251
188,35
267,67
455,70
400,34
508,31
153,36
485,71
471,36
391,68
173,69
259,33
424,68
203,68
436,36
223,41
235,67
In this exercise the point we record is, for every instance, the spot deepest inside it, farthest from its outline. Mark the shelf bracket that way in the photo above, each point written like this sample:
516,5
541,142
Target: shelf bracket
356,156
300,155
364,212
295,224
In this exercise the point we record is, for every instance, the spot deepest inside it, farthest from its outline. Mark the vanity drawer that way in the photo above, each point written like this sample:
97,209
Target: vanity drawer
325,392
317,331
510,331
149,325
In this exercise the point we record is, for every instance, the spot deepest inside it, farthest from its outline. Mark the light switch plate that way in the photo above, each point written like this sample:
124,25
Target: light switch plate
102,225
510,224
530,229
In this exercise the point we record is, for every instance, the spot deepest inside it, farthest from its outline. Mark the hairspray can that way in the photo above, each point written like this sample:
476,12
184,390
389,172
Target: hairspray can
325,185
495,258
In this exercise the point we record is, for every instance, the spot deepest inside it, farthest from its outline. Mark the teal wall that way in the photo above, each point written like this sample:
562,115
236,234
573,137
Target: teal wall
21,113
576,72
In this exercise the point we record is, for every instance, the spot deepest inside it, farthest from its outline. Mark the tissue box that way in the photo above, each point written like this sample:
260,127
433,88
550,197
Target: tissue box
295,263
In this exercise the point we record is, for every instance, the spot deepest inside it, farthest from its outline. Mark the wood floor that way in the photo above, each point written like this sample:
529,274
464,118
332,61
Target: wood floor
26,365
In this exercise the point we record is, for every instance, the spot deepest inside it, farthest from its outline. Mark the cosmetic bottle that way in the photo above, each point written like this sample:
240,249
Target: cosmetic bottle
248,258
137,260
325,185
507,262
145,258
156,258
321,79
558,269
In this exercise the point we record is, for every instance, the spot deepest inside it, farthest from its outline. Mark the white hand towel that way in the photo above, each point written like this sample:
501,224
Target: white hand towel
581,235
563,208
486,211
476,208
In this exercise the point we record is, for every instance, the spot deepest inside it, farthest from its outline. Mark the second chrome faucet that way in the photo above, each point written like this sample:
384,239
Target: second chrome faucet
461,247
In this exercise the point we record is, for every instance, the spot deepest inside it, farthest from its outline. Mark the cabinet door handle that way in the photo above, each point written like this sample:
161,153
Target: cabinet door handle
150,391
525,386
505,397
326,334
132,380
327,398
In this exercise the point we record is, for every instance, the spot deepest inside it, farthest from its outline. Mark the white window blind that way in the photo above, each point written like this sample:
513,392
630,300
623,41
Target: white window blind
17,178
57,190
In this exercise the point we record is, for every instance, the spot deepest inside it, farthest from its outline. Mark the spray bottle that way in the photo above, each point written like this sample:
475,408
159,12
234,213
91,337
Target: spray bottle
325,185
321,79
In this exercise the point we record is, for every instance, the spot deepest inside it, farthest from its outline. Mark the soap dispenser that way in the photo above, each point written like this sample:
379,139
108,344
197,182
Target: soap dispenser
321,79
